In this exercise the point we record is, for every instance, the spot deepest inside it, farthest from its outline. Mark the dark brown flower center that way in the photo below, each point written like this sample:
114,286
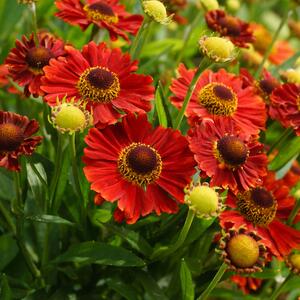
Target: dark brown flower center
102,8
231,25
38,57
218,99
142,159
223,92
232,150
267,85
257,206
140,163
100,78
99,85
100,11
262,197
11,137
295,170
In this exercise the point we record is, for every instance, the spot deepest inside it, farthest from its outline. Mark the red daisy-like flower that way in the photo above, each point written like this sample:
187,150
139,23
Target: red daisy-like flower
4,81
26,62
16,138
238,31
220,95
247,284
231,158
281,52
263,209
142,168
103,77
107,14
264,86
285,105
292,177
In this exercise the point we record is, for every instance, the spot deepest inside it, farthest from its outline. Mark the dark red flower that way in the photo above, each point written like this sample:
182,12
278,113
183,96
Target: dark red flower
15,138
144,169
292,177
27,60
5,83
103,77
231,158
285,106
263,209
107,14
220,95
238,31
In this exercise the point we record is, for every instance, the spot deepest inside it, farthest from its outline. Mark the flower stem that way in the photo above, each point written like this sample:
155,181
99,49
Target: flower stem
279,289
202,66
8,218
294,212
58,165
281,139
214,282
32,7
140,39
270,48
162,252
195,24
18,209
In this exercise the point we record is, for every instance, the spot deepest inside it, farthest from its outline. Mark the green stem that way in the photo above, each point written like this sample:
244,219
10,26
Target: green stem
214,282
19,214
294,212
279,289
202,66
188,36
34,21
269,50
162,252
58,165
140,39
8,218
281,139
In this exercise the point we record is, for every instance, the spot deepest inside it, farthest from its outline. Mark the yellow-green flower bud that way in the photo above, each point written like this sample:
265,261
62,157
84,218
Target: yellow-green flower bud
209,4
217,49
156,11
291,75
293,262
203,200
233,5
70,117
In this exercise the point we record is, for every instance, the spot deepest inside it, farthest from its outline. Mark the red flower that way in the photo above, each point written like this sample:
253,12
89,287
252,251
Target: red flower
15,138
285,106
247,284
238,31
138,166
103,77
107,14
281,52
227,155
4,81
292,177
27,60
262,209
220,95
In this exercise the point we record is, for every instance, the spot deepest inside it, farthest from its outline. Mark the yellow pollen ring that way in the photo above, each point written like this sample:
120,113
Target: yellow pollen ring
256,214
96,15
214,104
89,91
141,179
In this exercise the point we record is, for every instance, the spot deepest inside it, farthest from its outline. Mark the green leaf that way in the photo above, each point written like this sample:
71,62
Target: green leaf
151,287
162,117
219,293
122,289
100,253
100,216
49,219
8,250
187,286
6,293
289,151
134,239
